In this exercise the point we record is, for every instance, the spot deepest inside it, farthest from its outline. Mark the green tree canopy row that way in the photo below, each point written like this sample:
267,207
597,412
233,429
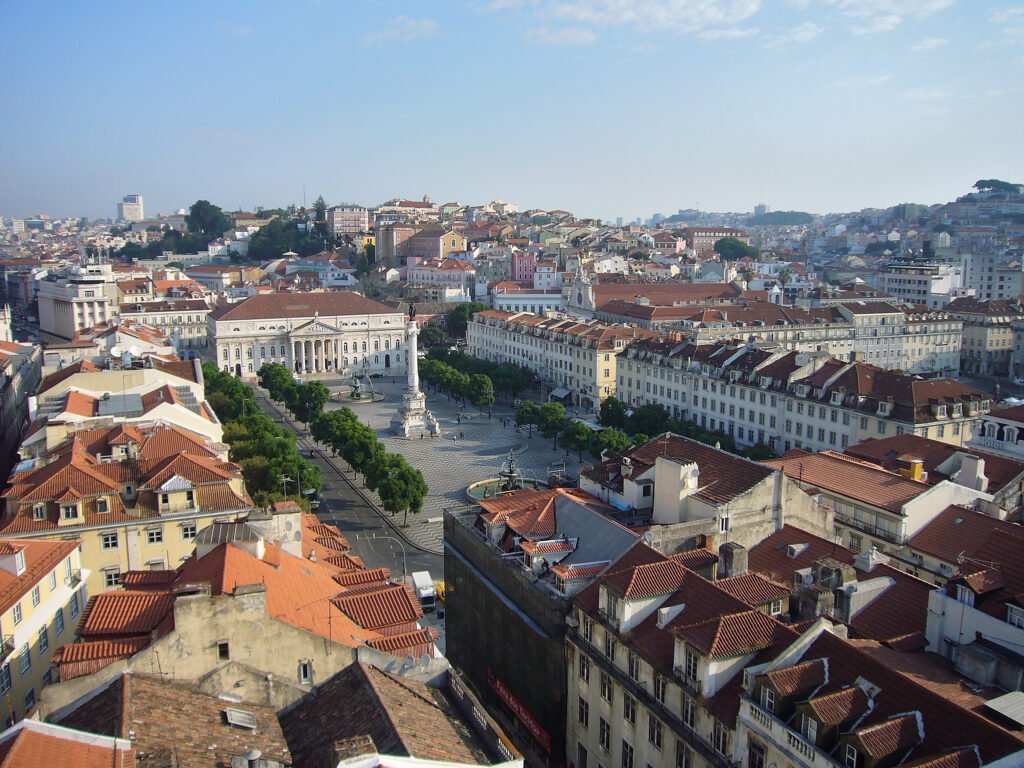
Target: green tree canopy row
733,249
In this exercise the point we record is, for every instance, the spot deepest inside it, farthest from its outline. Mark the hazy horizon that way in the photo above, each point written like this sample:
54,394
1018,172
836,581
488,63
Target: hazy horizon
605,108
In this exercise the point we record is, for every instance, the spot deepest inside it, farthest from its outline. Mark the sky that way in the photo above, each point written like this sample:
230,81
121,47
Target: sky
605,108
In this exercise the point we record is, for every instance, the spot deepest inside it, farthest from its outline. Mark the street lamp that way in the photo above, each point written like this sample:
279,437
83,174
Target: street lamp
284,488
399,543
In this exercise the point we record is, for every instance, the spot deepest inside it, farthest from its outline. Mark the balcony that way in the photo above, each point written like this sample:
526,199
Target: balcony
74,579
791,743
692,684
868,528
6,648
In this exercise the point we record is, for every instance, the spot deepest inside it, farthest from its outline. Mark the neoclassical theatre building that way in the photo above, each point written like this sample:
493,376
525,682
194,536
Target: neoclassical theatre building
309,333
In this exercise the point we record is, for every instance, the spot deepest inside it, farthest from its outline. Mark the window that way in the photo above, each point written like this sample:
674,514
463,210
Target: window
39,512
755,755
850,758
654,731
721,738
58,623
634,665
609,645
584,669
627,754
629,709
963,595
223,651
660,688
606,687
683,759
17,613
73,606
52,580
165,499
776,608
188,531
25,659
584,713
108,541
69,512
588,629
305,672
723,524
44,639
1015,616
35,596
809,728
5,678
691,665
581,755
190,499
768,698
111,577
855,542
30,700
101,506
155,536
604,736
688,710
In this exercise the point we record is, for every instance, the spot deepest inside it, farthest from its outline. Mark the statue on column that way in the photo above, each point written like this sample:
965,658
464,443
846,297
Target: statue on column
413,418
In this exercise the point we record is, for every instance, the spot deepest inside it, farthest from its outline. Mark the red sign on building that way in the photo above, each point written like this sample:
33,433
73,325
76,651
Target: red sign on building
542,736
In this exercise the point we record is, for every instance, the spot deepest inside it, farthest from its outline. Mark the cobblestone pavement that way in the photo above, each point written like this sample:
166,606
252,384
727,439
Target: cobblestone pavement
450,466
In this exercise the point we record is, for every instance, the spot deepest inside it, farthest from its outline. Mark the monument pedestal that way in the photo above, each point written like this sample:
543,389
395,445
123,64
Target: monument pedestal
413,418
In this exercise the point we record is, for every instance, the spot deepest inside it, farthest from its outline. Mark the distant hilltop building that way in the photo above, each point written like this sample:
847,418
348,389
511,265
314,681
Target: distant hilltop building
130,208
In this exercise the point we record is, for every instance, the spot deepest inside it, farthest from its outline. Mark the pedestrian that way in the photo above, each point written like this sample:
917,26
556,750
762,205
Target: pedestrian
462,435
455,438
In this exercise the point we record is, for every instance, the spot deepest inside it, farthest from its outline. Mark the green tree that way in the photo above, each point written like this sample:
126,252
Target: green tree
311,398
785,277
648,420
552,420
759,452
481,392
432,335
995,185
528,414
576,436
608,440
747,274
207,219
399,485
734,249
459,318
613,413
361,447
459,385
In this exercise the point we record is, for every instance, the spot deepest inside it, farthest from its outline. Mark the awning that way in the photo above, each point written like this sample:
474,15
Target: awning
559,393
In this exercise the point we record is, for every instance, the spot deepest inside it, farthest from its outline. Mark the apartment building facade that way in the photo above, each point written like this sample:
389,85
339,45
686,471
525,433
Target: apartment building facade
183,320
42,592
347,220
792,399
75,299
987,333
576,358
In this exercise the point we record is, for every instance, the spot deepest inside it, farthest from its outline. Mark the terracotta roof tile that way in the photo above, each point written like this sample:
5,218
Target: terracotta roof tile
31,743
390,606
899,733
753,589
839,706
280,305
803,677
124,613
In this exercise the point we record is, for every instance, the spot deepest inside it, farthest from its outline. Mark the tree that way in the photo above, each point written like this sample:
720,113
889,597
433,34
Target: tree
174,265
608,440
613,413
361,448
552,420
459,385
432,335
320,218
759,452
734,249
207,219
399,485
995,185
785,277
529,414
747,274
576,436
481,392
311,398
648,420
459,318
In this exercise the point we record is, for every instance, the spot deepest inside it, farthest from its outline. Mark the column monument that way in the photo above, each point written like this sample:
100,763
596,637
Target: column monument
413,418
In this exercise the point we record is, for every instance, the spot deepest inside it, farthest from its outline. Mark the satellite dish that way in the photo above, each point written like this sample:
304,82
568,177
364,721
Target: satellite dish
425,659
648,537
410,662
115,351
134,350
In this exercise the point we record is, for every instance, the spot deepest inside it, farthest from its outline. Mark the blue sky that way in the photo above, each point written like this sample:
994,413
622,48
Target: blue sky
603,107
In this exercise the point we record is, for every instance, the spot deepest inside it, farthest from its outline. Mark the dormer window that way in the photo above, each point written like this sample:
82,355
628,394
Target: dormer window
964,595
986,405
768,699
19,562
39,512
102,506
883,409
941,411
837,398
850,757
69,511
809,728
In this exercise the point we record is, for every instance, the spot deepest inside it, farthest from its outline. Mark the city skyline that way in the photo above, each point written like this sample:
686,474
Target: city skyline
607,108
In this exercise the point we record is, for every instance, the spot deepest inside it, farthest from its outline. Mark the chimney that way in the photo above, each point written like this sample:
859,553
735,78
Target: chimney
732,560
972,473
915,471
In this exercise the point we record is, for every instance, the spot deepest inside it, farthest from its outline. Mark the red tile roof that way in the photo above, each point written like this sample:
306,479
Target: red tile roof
839,706
294,305
32,744
897,734
124,613
753,589
846,476
41,557
803,677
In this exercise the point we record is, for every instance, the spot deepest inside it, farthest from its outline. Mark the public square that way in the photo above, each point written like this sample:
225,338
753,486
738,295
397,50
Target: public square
480,447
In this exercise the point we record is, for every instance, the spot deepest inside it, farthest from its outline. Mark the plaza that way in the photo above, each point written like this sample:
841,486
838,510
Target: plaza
480,446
